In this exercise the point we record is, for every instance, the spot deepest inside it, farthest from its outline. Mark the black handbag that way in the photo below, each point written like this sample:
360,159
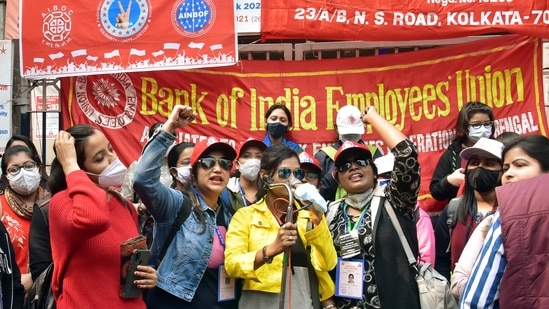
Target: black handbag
40,295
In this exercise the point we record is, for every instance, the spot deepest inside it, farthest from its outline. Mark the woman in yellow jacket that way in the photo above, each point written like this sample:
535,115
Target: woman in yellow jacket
258,235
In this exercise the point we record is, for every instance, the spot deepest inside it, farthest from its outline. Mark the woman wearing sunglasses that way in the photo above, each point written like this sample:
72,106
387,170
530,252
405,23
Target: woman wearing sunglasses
190,275
386,279
260,234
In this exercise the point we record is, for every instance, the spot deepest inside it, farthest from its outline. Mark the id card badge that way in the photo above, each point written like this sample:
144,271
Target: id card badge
349,244
349,274
226,284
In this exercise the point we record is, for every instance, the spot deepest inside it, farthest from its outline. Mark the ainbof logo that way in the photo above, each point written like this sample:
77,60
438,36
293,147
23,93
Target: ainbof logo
193,18
57,24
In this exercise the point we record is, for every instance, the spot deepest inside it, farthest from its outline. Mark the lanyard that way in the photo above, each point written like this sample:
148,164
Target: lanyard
220,237
242,194
348,226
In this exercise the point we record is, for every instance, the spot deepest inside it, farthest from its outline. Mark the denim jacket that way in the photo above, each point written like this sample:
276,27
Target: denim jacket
187,256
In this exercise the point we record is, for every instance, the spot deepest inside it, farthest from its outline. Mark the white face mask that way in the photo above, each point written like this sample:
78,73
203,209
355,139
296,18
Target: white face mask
476,134
184,174
112,175
250,169
349,137
25,182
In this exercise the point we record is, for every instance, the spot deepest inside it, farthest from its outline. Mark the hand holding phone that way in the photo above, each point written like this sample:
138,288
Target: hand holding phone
129,289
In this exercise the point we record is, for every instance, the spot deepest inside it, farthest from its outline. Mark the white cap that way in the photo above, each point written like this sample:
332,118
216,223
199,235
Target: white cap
484,147
385,163
348,120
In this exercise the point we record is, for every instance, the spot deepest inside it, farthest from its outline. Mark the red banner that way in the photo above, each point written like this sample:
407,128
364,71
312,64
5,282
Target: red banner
419,92
403,20
79,37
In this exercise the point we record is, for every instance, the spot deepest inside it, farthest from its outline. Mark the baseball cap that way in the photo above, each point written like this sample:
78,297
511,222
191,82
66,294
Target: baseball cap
211,144
307,160
251,142
348,147
348,120
385,163
484,147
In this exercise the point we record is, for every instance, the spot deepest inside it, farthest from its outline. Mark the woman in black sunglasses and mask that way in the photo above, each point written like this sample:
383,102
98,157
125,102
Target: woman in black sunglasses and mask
260,234
190,274
364,237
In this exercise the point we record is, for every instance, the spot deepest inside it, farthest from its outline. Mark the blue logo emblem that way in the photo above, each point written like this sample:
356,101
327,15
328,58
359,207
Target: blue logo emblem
193,18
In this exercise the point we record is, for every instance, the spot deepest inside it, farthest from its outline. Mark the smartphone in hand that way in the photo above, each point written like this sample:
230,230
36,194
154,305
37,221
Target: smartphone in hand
129,289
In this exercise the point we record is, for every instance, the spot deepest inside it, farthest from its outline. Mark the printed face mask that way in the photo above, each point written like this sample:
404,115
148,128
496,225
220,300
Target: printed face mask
276,129
483,180
112,175
25,182
476,134
184,174
349,137
250,169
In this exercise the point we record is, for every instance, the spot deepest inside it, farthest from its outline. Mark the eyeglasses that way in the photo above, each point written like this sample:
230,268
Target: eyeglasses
347,165
27,166
477,125
209,162
311,175
284,173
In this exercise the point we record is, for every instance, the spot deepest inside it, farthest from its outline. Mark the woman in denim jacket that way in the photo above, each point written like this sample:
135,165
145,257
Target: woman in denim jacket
189,275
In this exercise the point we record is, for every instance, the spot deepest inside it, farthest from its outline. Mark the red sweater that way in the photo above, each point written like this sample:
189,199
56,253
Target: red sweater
86,228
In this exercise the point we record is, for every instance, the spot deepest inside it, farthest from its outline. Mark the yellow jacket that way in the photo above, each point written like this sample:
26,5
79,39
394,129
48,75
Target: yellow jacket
254,227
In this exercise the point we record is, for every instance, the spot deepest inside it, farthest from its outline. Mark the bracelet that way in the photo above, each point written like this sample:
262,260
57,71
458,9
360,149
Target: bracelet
329,306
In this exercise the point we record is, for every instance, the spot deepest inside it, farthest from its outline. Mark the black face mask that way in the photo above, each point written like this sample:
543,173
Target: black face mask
483,180
276,129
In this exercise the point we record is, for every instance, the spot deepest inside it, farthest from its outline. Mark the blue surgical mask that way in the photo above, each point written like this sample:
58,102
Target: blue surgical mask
276,129
476,134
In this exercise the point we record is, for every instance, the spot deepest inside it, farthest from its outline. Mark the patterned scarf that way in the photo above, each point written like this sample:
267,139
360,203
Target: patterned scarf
18,205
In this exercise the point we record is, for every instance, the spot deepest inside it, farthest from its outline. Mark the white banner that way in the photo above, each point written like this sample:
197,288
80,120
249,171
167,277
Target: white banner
6,88
248,17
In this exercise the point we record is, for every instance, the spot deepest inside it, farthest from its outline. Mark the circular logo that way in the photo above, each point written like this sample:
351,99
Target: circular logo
122,19
57,24
193,18
105,90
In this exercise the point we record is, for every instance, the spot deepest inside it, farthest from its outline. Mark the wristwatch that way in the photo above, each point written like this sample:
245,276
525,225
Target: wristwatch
267,259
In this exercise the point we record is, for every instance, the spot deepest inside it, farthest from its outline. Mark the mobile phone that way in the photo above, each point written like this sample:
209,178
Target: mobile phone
129,289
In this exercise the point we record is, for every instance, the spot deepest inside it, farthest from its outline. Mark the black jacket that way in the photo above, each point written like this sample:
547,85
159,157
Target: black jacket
39,241
450,160
12,289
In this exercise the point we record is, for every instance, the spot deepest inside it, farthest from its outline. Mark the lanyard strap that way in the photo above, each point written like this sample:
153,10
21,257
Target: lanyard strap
220,237
348,226
242,194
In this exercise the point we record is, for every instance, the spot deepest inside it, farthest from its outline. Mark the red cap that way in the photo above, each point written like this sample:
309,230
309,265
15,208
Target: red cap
251,142
306,159
210,144
349,146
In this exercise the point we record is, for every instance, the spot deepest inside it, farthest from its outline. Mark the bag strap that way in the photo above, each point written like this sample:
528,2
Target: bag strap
182,215
398,228
451,219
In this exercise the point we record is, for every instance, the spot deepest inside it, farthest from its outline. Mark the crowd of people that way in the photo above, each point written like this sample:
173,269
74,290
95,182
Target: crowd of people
267,225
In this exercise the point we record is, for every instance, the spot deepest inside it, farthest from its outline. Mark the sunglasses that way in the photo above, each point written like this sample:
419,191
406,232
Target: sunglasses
209,162
347,165
477,125
311,175
284,173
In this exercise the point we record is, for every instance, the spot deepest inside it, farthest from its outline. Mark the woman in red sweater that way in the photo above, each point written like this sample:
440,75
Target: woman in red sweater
88,222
